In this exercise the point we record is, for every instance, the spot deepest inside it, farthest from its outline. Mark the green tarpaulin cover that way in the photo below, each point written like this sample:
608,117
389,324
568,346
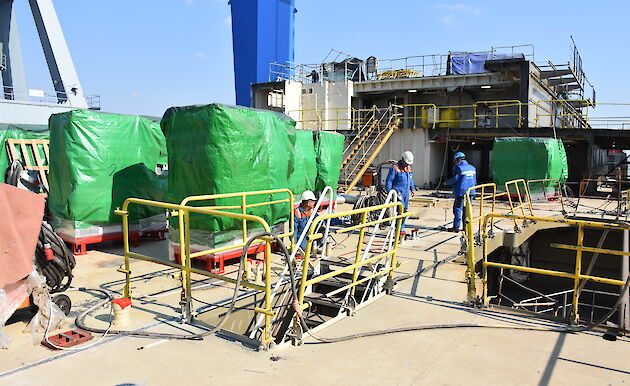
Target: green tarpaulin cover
530,159
329,150
16,133
305,171
98,160
216,149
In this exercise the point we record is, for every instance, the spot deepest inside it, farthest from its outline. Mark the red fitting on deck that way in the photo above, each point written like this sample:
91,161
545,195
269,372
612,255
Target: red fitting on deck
122,302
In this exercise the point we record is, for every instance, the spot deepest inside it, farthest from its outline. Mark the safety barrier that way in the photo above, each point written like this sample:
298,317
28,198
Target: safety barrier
522,204
361,257
242,207
326,193
546,183
556,113
183,211
492,110
577,276
518,196
562,113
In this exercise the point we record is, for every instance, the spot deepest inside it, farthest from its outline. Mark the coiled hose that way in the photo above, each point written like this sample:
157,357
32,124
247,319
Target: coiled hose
53,259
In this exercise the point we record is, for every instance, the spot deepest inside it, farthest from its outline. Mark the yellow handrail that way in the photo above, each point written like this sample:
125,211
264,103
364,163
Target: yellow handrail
577,275
305,281
183,211
243,207
522,204
543,182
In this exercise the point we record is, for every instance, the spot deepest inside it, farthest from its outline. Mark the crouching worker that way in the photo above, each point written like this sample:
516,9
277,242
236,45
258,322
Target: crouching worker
301,215
464,178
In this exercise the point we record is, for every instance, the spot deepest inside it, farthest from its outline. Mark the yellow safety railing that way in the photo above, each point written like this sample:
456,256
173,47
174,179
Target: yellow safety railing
524,200
484,193
183,211
360,260
243,206
496,106
545,184
410,113
331,118
475,224
562,109
577,276
559,113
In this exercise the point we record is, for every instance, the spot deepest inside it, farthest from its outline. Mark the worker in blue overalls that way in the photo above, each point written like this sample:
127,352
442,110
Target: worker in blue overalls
465,177
301,215
400,178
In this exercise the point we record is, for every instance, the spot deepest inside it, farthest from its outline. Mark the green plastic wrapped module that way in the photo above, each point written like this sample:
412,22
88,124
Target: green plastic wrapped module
530,159
16,133
329,150
97,161
215,149
305,170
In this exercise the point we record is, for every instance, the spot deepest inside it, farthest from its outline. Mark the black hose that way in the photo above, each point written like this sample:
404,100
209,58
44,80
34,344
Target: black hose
568,329
80,320
63,262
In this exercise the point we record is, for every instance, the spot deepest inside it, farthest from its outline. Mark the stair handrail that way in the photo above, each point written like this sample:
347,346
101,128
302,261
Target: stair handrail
360,164
392,196
362,128
285,271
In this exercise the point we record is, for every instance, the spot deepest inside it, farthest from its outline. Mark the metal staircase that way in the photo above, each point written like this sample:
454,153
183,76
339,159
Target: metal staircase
373,132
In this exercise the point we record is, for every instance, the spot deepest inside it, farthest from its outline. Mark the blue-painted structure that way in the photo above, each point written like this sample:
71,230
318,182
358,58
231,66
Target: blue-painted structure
263,32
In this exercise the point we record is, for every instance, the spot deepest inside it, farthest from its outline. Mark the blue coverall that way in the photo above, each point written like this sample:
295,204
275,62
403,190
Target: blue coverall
465,177
300,217
400,178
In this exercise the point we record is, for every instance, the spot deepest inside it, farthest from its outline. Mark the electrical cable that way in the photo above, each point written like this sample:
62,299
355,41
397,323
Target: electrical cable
303,324
53,259
80,320
49,323
444,160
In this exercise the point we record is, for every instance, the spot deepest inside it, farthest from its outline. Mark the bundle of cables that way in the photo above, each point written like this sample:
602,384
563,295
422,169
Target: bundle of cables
53,259
375,199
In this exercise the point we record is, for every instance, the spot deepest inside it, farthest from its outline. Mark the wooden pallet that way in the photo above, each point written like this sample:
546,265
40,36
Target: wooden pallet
30,155
424,201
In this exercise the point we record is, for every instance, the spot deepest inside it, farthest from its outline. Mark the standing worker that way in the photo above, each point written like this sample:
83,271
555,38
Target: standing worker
465,177
301,215
400,178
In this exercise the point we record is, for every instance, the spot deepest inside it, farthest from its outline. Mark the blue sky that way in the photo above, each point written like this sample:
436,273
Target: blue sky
143,56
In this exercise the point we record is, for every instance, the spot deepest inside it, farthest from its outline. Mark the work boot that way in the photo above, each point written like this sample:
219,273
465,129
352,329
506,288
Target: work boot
453,229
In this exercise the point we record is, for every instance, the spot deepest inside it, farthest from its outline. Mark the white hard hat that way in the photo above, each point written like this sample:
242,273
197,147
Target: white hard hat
408,157
308,195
